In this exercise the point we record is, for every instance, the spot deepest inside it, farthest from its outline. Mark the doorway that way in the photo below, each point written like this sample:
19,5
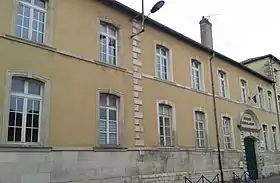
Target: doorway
251,159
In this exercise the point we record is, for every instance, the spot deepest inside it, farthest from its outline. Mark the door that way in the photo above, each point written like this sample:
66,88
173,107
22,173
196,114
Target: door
251,158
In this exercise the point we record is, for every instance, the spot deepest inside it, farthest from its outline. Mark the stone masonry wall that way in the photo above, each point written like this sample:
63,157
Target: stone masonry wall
116,167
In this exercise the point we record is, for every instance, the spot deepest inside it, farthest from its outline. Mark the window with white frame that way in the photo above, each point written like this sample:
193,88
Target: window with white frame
165,127
162,63
265,136
223,83
227,133
274,136
244,91
31,20
269,100
108,43
260,97
200,129
108,119
25,110
196,74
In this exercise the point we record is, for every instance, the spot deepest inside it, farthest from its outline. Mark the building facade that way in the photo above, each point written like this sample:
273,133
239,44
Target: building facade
83,101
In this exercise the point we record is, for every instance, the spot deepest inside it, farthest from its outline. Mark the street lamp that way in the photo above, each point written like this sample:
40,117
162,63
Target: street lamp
154,9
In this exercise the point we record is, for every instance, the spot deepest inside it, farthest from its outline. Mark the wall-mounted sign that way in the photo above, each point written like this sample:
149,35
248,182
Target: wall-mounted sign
247,119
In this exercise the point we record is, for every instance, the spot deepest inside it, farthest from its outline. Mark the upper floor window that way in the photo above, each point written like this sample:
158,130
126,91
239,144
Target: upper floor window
200,129
265,136
244,91
25,110
165,120
278,99
196,75
269,100
227,133
31,20
223,83
274,136
260,97
108,43
276,77
108,119
162,63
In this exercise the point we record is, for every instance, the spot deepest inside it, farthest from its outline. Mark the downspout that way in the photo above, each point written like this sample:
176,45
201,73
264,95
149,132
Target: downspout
216,119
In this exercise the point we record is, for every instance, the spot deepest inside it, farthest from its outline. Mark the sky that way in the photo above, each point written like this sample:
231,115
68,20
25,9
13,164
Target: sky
242,29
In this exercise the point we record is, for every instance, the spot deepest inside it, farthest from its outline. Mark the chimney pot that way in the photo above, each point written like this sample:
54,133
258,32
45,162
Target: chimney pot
206,33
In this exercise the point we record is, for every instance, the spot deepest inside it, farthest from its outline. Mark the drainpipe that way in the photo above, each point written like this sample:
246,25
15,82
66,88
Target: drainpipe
216,119
276,104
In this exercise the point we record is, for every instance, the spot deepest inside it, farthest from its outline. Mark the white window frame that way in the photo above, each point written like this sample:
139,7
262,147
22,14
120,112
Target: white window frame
173,121
269,100
108,36
43,136
206,139
226,83
227,135
32,7
266,144
200,72
162,57
244,96
275,142
261,100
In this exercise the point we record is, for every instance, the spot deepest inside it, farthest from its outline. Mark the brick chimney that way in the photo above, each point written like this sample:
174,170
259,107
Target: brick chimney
206,33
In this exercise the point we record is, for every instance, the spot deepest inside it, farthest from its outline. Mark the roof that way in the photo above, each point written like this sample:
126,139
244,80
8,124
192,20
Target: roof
250,60
125,9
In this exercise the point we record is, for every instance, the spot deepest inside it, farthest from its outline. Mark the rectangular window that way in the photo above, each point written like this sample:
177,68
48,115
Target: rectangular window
162,63
200,129
260,96
108,44
222,83
269,100
196,75
276,77
227,133
244,91
108,119
25,110
31,20
165,120
265,136
274,136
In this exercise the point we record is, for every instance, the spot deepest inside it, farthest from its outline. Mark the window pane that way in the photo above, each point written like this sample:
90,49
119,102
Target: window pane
103,138
102,126
28,135
19,119
24,33
19,104
113,115
161,132
160,120
26,11
27,1
103,99
168,141
36,107
35,120
18,31
161,140
112,138
18,135
11,133
18,85
167,131
34,36
112,101
102,28
34,87
13,103
112,127
40,3
167,122
102,113
112,31
29,120
35,135
12,118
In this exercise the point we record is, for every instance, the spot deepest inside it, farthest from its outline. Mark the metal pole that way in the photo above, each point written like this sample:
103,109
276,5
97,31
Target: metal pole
277,107
216,119
143,14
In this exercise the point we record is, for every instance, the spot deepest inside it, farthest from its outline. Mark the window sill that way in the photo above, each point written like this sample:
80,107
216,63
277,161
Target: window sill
98,62
109,148
28,42
168,148
164,81
23,148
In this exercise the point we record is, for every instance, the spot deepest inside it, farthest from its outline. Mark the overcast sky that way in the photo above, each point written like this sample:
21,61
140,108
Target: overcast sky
241,28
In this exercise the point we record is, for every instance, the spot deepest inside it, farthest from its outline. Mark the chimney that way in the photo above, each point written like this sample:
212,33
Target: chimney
206,33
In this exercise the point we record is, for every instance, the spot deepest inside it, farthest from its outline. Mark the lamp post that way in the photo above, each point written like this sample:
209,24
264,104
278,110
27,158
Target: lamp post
154,9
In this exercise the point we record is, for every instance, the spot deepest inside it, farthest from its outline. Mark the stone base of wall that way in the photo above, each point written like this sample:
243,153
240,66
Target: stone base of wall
130,166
